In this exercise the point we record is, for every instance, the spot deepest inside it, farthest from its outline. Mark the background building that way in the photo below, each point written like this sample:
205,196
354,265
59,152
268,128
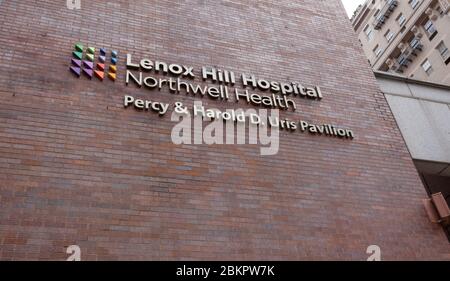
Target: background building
77,168
407,37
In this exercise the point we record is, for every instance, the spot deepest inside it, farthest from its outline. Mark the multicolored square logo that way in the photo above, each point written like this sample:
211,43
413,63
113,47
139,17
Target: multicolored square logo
83,63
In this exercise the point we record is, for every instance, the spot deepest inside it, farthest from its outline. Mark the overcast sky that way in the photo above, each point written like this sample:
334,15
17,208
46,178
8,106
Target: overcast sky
350,5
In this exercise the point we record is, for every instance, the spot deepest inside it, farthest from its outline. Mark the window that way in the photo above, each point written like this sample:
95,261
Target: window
413,3
368,32
426,65
415,43
430,29
443,50
376,13
377,51
401,19
389,35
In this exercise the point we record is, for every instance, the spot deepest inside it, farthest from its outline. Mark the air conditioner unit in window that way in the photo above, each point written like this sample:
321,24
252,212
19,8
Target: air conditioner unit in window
404,61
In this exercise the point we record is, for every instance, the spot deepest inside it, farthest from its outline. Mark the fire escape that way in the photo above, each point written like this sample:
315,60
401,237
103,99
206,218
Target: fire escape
384,13
407,55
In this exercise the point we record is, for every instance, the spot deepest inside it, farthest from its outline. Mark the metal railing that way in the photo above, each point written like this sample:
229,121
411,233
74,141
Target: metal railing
408,55
384,13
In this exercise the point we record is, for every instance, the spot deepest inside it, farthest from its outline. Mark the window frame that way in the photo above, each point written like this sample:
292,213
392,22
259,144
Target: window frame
414,3
389,35
445,53
368,31
377,50
429,69
430,28
377,12
401,16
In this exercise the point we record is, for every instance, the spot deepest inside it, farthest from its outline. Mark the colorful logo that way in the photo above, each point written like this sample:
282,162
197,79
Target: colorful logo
85,65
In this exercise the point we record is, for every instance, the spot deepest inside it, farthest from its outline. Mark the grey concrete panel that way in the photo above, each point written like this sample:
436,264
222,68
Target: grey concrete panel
424,125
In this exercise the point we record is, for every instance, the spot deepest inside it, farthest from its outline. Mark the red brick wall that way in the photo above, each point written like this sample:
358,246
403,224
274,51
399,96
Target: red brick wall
78,168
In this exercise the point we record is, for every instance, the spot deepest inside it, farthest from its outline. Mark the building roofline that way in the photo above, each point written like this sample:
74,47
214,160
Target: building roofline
382,74
358,12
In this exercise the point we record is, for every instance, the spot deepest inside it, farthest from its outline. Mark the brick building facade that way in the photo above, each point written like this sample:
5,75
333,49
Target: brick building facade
77,168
